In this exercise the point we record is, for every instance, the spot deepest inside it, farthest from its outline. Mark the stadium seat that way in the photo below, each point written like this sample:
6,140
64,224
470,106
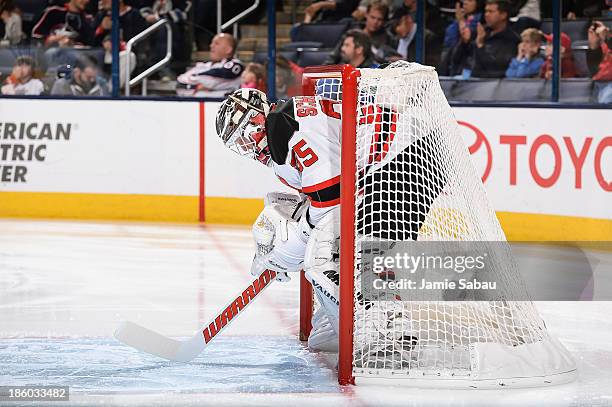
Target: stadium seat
475,90
297,46
7,60
520,90
326,33
447,83
311,58
261,57
576,29
573,90
580,60
597,87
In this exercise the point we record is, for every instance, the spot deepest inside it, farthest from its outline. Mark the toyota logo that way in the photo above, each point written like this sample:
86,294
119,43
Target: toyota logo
480,140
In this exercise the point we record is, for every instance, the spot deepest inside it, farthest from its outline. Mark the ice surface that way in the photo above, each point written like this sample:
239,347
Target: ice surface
64,287
101,365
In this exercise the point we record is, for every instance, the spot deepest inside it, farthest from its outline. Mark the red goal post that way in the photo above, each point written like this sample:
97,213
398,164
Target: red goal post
348,75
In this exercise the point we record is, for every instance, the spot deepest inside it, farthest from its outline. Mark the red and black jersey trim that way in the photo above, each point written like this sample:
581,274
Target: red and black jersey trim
324,194
284,181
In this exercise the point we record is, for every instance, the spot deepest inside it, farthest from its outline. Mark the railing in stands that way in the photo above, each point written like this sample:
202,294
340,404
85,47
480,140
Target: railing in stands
142,77
234,20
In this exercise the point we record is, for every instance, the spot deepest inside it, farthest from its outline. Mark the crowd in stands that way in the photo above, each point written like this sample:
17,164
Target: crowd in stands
462,39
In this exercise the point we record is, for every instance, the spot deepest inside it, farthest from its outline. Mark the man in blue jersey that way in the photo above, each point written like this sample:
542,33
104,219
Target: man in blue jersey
217,77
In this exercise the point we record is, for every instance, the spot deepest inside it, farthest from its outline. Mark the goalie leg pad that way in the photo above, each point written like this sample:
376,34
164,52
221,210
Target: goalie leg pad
323,336
323,248
321,268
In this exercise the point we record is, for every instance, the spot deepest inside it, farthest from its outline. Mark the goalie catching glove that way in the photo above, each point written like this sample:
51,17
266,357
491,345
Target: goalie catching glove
280,240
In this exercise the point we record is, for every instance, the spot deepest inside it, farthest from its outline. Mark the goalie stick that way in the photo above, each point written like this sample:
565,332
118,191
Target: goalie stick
157,344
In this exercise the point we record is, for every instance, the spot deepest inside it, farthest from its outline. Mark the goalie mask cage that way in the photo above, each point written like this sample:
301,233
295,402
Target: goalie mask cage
406,175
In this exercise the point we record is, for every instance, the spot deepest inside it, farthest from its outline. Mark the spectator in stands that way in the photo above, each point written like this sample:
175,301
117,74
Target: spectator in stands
433,17
568,68
494,45
329,10
254,76
403,44
356,49
21,81
130,21
599,58
217,77
375,18
360,12
82,81
175,11
529,9
599,54
374,28
466,15
11,17
528,62
65,26
525,14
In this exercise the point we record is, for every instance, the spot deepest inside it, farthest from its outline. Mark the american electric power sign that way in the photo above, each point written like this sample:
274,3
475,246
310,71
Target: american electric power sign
99,146
26,142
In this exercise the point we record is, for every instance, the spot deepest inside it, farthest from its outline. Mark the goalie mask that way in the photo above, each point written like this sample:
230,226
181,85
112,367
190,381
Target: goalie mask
241,124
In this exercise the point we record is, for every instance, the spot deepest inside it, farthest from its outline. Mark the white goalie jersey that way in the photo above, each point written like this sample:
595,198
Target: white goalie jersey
310,146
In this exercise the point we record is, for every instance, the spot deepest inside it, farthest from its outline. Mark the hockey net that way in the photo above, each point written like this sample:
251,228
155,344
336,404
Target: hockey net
407,176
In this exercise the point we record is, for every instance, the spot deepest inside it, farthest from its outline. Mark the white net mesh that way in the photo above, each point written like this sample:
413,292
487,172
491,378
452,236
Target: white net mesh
415,182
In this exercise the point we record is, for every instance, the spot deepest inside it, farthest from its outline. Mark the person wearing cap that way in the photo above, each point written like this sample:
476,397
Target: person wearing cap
21,80
568,68
84,80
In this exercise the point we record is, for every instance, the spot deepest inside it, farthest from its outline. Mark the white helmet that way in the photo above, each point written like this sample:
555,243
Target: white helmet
241,124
